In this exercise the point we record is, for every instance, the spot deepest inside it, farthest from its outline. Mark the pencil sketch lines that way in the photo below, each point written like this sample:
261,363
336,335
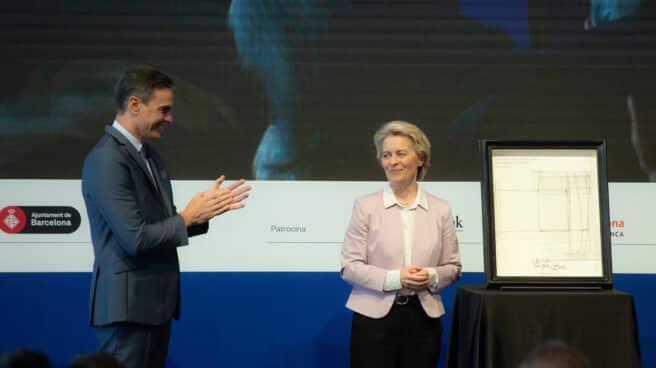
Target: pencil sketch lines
555,208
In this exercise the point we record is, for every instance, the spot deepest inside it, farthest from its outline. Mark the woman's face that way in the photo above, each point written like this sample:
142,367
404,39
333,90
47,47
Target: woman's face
400,160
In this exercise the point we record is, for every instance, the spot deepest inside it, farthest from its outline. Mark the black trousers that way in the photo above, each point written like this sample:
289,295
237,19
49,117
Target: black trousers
406,337
135,345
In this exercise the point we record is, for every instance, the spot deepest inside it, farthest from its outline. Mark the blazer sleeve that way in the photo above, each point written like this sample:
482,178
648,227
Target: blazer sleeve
199,229
355,269
449,267
111,190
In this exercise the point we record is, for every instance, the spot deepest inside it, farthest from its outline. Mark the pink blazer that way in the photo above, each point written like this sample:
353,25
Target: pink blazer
373,245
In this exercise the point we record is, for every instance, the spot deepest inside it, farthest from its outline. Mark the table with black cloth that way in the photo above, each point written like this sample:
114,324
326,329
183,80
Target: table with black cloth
493,328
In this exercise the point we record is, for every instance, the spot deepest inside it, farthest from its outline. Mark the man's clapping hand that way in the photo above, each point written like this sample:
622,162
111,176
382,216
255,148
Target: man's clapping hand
215,201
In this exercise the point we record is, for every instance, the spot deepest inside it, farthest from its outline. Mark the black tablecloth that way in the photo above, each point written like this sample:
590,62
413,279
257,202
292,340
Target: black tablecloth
492,328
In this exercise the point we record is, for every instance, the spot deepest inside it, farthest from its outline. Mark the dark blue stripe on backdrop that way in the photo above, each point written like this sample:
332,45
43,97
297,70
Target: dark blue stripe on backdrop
245,319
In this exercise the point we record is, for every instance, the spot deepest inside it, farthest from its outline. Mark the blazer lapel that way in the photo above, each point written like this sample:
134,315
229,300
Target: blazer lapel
391,230
131,151
423,241
136,157
159,173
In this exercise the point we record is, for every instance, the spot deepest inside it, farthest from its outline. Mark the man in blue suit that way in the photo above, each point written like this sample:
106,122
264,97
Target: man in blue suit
135,228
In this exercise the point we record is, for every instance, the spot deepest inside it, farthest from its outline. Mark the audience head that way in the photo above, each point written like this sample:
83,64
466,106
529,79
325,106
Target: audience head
99,359
24,358
555,354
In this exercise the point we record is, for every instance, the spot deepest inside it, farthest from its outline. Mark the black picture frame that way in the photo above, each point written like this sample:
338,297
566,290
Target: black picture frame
545,214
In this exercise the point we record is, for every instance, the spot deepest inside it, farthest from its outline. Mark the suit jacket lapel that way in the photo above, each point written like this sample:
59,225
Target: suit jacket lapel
131,151
162,182
142,164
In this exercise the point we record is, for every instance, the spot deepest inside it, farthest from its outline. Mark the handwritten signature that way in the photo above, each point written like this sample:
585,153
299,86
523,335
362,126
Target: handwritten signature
547,265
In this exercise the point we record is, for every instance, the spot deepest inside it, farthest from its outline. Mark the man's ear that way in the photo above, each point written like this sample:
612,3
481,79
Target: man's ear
134,104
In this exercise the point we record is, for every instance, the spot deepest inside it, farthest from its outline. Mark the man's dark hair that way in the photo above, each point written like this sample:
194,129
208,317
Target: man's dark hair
139,82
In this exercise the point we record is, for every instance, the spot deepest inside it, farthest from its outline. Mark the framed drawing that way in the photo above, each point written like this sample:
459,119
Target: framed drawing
545,214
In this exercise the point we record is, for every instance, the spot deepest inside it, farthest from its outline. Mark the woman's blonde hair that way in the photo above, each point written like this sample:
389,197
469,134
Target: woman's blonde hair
417,136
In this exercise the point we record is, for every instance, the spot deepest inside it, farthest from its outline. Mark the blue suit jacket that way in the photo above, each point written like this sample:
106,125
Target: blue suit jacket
135,231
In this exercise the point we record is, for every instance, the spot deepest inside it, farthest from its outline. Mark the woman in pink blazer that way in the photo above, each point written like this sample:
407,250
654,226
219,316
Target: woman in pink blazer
399,251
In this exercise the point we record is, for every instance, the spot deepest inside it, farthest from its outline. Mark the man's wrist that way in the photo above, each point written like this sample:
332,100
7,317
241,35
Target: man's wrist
186,217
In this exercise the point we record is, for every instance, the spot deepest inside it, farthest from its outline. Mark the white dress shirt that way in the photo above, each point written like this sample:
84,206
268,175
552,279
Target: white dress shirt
393,277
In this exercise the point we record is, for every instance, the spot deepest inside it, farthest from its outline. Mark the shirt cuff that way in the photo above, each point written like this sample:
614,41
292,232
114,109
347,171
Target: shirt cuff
433,278
392,280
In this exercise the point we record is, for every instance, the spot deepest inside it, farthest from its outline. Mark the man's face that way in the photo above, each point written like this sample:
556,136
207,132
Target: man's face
155,114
